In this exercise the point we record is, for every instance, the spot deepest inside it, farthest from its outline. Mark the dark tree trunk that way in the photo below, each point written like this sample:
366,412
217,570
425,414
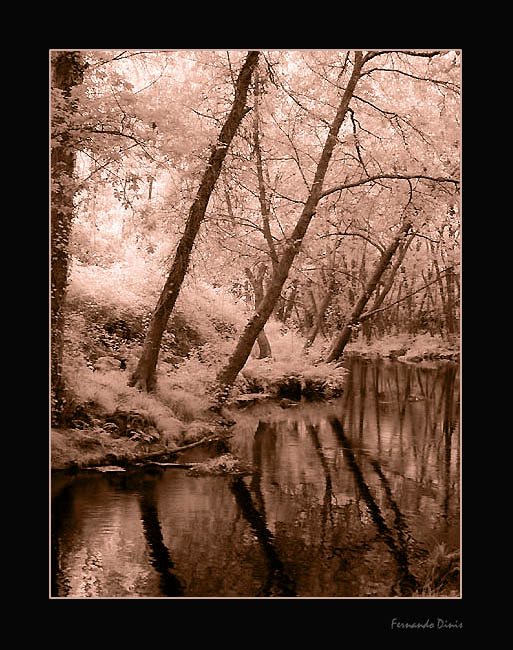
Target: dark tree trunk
229,372
450,302
319,318
389,281
290,302
67,72
257,282
144,374
343,338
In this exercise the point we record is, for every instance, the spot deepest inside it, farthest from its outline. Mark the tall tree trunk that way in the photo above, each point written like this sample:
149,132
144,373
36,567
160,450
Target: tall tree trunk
264,203
450,302
343,338
257,282
235,363
67,72
319,318
290,302
441,289
144,374
389,281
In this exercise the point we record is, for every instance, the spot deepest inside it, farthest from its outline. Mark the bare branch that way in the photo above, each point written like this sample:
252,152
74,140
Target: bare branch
446,84
103,131
375,311
402,177
122,55
372,55
353,234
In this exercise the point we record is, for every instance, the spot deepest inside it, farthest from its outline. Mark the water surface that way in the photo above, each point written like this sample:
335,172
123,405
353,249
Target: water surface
347,499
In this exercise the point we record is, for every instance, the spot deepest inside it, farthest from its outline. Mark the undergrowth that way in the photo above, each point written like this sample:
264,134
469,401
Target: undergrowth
407,347
441,573
108,310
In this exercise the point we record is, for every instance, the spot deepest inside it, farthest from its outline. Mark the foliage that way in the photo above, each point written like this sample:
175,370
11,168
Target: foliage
142,130
224,464
405,347
289,365
441,573
107,392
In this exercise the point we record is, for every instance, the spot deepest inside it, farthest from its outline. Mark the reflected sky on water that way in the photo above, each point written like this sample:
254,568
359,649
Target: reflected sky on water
346,499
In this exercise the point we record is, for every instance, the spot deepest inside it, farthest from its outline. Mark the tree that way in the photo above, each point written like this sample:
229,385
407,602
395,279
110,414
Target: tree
235,363
67,70
144,375
142,131
343,338
84,119
256,282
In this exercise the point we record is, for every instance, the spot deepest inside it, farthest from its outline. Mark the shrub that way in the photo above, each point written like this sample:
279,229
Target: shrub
108,392
291,372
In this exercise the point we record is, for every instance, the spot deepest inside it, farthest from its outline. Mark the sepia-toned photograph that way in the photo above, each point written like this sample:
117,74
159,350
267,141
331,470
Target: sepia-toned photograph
255,325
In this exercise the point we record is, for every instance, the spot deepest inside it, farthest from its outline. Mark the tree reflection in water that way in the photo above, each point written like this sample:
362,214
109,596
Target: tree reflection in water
407,582
169,583
347,499
278,583
375,474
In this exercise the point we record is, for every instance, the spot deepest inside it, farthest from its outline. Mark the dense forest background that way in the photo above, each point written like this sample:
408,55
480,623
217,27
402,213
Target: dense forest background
221,211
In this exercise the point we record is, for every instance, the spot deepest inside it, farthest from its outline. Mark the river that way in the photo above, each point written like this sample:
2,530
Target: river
347,498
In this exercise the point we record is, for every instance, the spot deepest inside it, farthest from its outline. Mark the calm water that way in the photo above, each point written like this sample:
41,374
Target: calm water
346,500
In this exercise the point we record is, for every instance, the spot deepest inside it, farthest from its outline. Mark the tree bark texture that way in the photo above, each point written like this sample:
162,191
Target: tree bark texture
67,72
235,363
264,203
289,302
389,281
343,338
319,317
144,374
257,283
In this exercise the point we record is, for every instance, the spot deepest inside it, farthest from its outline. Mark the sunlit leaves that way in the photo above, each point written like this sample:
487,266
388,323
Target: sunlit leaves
150,118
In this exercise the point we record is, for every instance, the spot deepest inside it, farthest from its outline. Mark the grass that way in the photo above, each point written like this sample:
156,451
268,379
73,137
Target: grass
441,574
177,410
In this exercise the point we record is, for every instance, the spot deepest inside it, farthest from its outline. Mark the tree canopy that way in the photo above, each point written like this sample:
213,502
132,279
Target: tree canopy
143,127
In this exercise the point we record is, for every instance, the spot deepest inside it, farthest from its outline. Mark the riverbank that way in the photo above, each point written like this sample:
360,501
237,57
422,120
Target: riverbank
113,424
75,449
406,348
312,469
120,426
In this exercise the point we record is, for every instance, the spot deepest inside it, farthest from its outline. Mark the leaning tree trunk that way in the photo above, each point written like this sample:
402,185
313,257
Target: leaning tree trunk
387,285
144,374
343,338
67,72
227,375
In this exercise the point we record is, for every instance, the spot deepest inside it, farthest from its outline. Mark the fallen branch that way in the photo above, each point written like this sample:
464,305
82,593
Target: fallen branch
178,465
191,445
